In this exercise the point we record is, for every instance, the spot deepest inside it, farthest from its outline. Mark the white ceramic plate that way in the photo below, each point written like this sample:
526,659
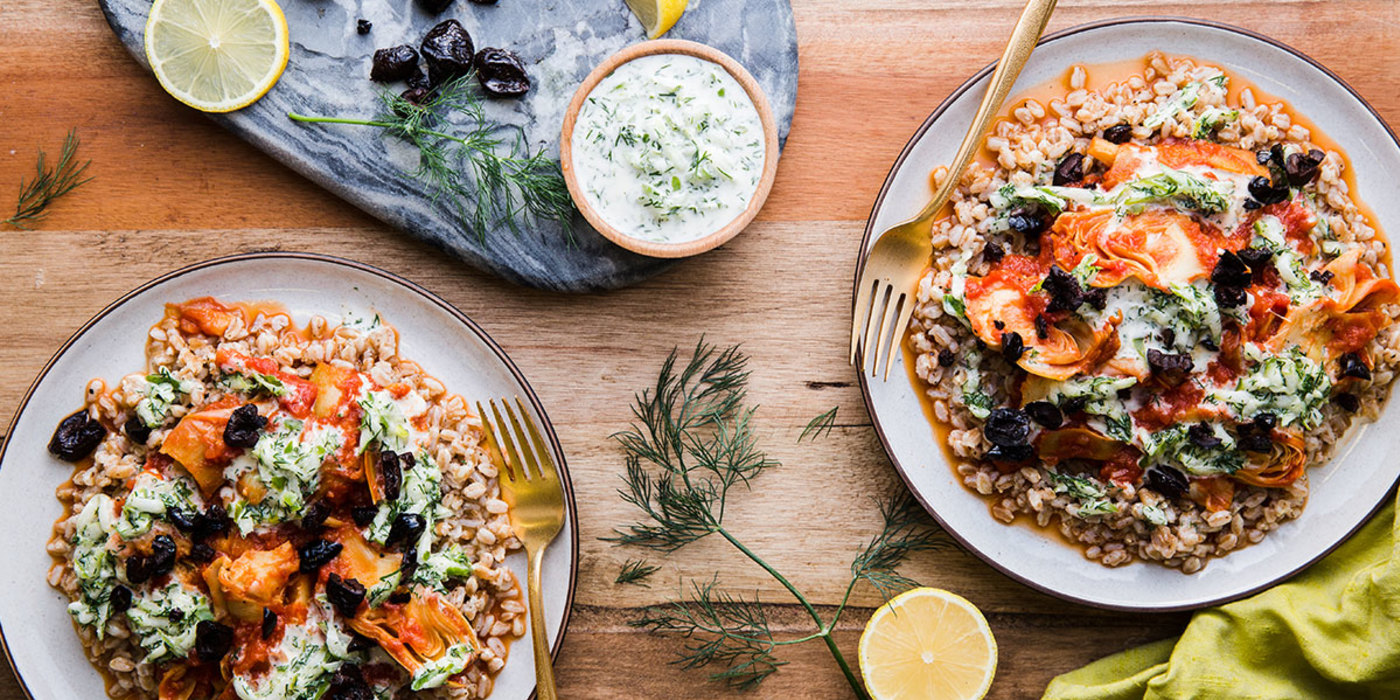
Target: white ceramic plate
1345,492
39,636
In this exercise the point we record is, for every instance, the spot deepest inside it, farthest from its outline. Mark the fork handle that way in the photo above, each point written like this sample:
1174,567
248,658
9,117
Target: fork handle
539,634
1018,50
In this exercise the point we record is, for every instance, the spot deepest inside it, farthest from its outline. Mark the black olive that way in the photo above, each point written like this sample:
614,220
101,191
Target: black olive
363,515
76,437
946,358
1255,258
999,324
1351,365
201,553
182,519
1348,402
1253,441
501,73
138,569
213,521
348,682
1168,337
212,640
137,430
1265,422
1045,413
407,528
435,6
1210,345
448,50
1064,289
359,642
1203,436
1125,393
400,597
1042,327
269,623
1069,170
1170,369
414,96
162,559
1301,168
419,79
345,594
1010,453
1118,134
1261,189
409,563
1250,204
1012,347
393,63
1027,221
1231,271
1007,427
993,253
1167,481
1074,405
1230,297
120,599
1321,276
176,615
1263,157
390,474
316,554
407,460
362,26
315,515
244,426
1096,297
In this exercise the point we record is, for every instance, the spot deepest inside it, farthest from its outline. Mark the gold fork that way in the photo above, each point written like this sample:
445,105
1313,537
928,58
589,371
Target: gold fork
536,514
884,298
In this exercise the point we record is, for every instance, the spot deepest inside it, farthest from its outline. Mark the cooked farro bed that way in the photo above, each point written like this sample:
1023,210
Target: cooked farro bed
1152,314
290,513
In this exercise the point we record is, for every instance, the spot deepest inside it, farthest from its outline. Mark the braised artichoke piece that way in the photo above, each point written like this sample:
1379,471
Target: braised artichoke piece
501,73
394,63
76,437
449,52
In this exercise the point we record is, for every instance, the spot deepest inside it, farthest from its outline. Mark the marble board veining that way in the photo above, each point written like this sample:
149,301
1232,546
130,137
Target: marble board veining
559,40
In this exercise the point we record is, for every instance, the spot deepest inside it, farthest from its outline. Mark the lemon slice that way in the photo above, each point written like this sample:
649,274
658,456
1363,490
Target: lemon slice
657,16
217,55
928,644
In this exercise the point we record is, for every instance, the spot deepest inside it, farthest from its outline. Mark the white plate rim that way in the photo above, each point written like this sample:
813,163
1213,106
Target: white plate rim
865,242
547,425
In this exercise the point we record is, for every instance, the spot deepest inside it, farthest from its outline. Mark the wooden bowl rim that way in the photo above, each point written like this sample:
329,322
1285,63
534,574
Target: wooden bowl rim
770,147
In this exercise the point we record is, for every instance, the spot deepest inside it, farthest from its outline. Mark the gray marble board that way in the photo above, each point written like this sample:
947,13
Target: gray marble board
560,42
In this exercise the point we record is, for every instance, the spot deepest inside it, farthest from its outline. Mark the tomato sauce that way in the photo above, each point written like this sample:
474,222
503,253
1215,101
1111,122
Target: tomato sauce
1170,406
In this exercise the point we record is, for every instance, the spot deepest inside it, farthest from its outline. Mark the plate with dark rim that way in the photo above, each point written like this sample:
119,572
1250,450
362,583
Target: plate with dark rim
1345,492
39,637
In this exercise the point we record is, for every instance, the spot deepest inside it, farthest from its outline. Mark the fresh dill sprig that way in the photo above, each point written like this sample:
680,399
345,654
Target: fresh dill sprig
692,439
49,184
820,426
489,178
636,571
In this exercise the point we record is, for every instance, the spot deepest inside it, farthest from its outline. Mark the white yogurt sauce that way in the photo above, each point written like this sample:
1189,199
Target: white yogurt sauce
668,148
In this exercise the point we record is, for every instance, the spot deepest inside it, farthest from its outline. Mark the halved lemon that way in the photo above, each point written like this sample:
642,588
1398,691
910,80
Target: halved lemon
657,16
217,55
928,644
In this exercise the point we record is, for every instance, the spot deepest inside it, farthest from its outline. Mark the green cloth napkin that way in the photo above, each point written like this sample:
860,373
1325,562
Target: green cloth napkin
1331,632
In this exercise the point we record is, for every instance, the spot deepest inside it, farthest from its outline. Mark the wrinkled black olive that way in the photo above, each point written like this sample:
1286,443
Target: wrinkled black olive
1321,276
1012,347
1301,168
1045,413
448,50
1265,422
1231,271
213,521
1170,369
1118,134
1253,441
413,95
1261,189
359,642
212,640
316,554
76,437
201,553
138,569
1168,337
435,6
407,460
407,528
182,519
1007,427
418,80
345,594
1203,436
409,563
1167,481
501,73
1210,345
993,253
1096,297
269,623
1010,453
120,599
315,515
1027,221
1351,365
393,63
363,515
999,324
1069,170
400,597
1230,297
390,474
946,358
348,683
1263,157
1251,204
1348,402
1074,405
1125,393
362,26
1255,258
1065,292
176,615
137,430
1042,327
162,559
244,426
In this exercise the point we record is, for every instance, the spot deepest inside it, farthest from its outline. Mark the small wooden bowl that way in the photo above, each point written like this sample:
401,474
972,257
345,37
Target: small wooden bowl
770,146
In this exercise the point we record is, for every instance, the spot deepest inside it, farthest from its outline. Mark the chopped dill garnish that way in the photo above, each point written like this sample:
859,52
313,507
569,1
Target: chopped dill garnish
820,426
635,572
49,184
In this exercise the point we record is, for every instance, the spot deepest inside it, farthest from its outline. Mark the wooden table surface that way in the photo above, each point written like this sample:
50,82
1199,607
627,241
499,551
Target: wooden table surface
171,188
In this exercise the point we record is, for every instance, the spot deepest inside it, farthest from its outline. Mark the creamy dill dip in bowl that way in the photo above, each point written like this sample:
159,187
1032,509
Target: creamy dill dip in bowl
669,148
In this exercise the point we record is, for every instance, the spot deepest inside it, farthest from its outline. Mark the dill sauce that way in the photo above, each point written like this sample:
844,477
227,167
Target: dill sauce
669,148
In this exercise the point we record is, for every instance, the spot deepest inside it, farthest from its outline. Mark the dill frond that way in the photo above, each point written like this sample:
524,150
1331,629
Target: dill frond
36,195
820,426
720,629
636,571
907,529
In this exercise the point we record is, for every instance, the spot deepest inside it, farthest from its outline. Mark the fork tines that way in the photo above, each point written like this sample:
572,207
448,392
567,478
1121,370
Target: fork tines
523,451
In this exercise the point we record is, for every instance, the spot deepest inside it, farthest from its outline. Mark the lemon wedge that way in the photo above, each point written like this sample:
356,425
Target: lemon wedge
217,55
928,644
657,16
